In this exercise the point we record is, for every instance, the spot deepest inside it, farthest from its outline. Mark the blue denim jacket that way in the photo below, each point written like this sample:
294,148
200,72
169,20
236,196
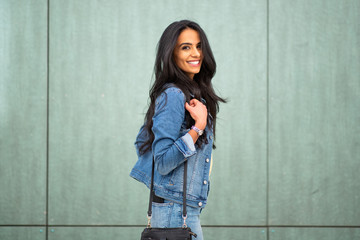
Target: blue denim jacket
171,147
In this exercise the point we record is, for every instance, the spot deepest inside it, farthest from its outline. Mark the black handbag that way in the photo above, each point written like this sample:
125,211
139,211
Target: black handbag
182,233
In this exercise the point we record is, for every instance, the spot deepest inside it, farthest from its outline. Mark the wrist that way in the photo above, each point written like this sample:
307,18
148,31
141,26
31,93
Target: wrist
200,126
197,130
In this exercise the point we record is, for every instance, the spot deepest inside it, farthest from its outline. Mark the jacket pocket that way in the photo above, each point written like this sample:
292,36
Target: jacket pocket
176,179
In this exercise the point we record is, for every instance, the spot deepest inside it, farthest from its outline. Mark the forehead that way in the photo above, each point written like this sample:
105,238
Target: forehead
188,35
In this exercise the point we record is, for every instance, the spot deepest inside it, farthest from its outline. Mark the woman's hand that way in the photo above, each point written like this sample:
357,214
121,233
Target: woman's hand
198,112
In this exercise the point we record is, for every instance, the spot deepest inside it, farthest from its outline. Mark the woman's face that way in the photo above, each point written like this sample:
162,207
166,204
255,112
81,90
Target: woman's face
187,53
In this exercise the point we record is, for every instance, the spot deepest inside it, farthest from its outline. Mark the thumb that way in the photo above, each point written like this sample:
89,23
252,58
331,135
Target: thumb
187,106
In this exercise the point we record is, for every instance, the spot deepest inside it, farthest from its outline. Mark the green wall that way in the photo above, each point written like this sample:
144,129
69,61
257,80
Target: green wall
74,80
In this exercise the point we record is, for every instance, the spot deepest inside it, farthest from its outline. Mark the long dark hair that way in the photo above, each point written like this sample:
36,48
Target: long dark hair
166,71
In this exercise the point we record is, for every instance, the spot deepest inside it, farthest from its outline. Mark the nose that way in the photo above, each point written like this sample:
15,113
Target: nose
195,52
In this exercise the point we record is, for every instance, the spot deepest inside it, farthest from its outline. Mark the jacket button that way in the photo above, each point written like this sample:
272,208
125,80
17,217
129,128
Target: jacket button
210,137
205,182
207,160
200,204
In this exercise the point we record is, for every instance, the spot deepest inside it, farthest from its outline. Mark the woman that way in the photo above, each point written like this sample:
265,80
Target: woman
179,126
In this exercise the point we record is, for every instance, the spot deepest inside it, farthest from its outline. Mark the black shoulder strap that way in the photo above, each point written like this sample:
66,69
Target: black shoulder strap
152,189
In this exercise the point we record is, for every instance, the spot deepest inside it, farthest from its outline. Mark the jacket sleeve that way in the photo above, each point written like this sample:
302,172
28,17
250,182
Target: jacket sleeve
169,147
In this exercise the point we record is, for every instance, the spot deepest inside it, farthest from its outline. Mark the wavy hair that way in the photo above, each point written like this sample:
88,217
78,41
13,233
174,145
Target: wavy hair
166,71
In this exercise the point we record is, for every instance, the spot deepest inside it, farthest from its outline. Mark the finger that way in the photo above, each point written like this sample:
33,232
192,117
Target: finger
193,101
187,106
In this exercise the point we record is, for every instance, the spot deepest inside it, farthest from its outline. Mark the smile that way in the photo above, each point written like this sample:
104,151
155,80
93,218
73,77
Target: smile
195,63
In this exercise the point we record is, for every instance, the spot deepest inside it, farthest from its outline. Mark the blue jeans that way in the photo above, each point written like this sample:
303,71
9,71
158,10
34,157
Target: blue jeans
169,215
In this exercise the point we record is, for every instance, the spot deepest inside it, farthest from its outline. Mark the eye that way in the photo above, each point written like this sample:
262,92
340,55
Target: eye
198,46
185,48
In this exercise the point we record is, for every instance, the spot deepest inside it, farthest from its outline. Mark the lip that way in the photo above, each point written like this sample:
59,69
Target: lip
194,63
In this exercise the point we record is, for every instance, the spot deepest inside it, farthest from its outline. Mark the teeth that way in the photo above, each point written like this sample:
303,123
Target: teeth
194,62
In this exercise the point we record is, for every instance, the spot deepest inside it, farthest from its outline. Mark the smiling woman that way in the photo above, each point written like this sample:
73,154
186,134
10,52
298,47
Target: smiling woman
187,53
179,127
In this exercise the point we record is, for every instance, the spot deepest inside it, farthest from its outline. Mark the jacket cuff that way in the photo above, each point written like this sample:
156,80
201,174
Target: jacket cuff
186,145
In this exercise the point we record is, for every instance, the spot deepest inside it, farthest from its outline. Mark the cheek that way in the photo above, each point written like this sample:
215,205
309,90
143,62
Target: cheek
179,60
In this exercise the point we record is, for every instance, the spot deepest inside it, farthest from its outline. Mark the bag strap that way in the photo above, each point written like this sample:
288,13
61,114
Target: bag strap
149,213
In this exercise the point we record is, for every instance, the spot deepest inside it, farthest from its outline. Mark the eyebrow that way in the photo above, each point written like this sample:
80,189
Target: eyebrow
185,43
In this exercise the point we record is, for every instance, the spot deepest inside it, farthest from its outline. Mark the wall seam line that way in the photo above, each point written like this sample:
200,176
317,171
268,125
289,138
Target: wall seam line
47,121
267,120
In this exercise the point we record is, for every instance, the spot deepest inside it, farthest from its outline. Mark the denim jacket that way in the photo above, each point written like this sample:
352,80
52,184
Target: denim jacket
172,146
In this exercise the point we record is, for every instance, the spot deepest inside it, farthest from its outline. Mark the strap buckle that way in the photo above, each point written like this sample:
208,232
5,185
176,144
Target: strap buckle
149,221
184,224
